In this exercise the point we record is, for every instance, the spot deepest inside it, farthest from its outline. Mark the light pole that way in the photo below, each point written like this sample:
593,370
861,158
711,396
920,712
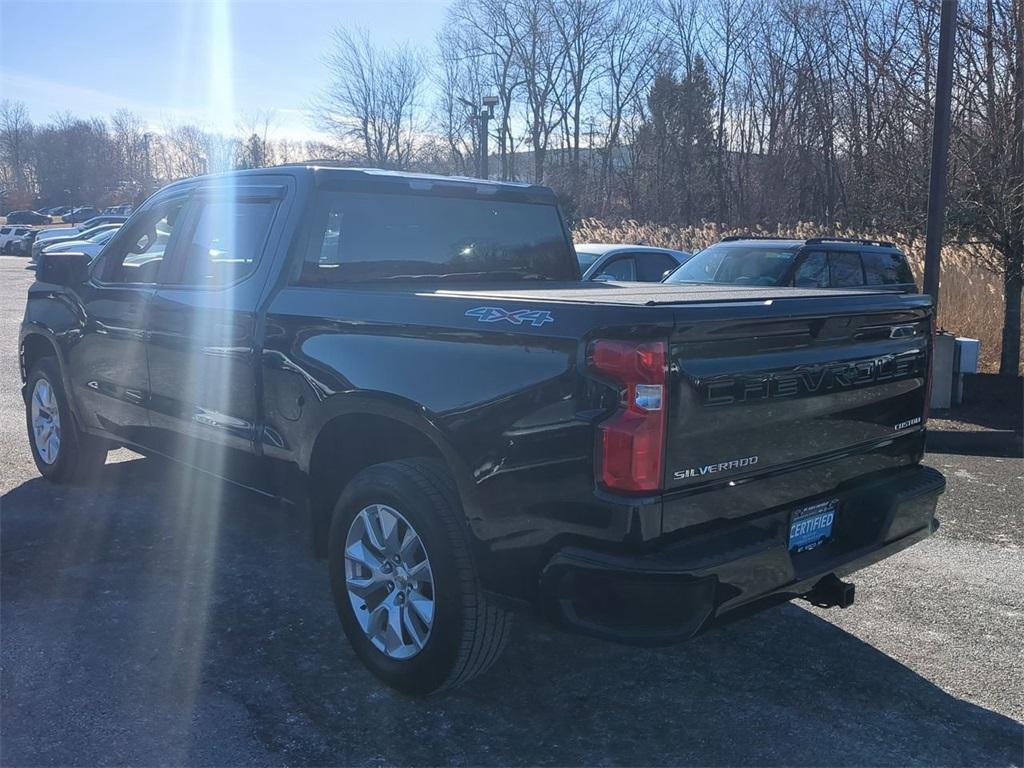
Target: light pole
481,117
484,116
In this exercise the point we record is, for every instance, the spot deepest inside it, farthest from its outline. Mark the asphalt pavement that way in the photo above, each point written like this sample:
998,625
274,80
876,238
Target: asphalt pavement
161,619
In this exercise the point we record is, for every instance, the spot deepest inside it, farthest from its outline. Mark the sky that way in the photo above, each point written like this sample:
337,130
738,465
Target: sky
210,62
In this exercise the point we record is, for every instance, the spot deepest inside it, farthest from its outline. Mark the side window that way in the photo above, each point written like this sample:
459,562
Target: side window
651,267
226,241
886,268
623,268
812,272
137,254
846,270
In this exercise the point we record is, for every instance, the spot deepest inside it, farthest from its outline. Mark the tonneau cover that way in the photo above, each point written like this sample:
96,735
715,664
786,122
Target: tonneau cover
657,294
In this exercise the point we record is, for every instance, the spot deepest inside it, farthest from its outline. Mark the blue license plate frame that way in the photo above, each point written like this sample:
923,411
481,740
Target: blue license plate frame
812,525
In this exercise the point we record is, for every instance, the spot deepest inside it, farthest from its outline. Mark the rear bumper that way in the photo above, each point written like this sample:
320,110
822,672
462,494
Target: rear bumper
670,594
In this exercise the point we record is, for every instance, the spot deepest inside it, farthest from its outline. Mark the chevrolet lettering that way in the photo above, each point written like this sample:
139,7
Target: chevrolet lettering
811,379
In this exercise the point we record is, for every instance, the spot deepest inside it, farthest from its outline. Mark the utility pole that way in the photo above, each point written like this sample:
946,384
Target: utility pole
940,151
147,169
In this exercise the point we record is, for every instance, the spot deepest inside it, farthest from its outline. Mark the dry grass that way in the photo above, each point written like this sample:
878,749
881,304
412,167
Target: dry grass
971,296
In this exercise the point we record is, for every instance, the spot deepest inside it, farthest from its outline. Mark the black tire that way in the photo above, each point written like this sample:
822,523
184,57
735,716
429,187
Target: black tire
468,633
80,456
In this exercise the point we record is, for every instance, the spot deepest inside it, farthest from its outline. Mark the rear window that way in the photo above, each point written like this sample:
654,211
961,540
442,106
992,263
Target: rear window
586,260
359,237
882,268
737,264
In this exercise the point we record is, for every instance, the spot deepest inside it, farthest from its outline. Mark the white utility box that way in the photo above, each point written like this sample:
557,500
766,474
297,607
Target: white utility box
966,361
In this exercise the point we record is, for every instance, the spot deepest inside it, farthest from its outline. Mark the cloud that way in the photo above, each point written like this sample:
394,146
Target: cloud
45,98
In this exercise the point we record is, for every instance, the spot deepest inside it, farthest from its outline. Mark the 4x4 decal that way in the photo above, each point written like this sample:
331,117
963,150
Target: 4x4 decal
534,317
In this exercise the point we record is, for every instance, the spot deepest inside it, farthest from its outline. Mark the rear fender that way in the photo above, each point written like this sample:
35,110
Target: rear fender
366,403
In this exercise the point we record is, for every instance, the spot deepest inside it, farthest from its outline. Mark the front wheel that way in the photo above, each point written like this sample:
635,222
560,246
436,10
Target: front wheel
403,581
62,453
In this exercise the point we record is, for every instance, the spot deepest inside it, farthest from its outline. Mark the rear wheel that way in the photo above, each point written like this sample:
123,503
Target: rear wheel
403,581
62,452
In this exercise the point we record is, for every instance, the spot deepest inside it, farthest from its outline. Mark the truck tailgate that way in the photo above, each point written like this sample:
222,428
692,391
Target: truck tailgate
767,385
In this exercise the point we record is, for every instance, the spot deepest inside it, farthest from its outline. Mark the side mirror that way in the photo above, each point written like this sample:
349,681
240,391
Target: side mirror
667,272
604,277
63,268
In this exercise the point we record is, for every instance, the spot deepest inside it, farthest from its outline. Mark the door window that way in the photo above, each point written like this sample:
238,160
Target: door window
845,269
136,255
652,266
812,272
226,241
623,268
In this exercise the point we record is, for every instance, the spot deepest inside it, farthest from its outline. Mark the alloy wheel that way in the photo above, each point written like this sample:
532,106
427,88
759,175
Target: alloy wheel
389,581
45,421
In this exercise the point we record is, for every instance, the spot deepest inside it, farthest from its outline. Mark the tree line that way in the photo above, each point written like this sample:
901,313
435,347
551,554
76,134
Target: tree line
73,160
734,111
740,112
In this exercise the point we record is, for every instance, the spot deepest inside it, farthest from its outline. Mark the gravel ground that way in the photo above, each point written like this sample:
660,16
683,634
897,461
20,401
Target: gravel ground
158,619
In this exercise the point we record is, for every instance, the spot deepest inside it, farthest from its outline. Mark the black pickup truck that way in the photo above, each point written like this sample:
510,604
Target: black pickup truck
413,362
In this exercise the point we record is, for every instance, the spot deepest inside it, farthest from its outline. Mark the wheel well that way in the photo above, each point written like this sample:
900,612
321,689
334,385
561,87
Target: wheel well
345,446
33,349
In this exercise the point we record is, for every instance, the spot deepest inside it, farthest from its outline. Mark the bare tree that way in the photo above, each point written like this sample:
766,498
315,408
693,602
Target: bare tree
491,34
632,53
254,147
372,99
582,27
128,133
541,56
16,132
460,88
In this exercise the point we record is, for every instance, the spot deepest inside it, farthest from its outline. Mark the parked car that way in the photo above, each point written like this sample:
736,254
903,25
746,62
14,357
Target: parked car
27,217
91,246
80,214
102,219
9,235
60,231
469,427
820,262
118,210
627,263
66,235
60,210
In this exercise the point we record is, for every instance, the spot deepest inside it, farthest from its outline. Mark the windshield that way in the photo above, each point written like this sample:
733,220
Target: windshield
102,237
736,263
379,236
90,232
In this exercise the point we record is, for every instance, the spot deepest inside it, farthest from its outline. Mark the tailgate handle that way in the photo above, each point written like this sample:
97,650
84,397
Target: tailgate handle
903,332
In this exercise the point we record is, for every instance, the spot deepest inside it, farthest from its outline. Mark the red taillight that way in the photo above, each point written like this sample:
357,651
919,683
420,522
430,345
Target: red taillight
631,444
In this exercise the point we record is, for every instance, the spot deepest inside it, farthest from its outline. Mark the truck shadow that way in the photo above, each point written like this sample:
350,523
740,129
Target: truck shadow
1000,444
161,618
